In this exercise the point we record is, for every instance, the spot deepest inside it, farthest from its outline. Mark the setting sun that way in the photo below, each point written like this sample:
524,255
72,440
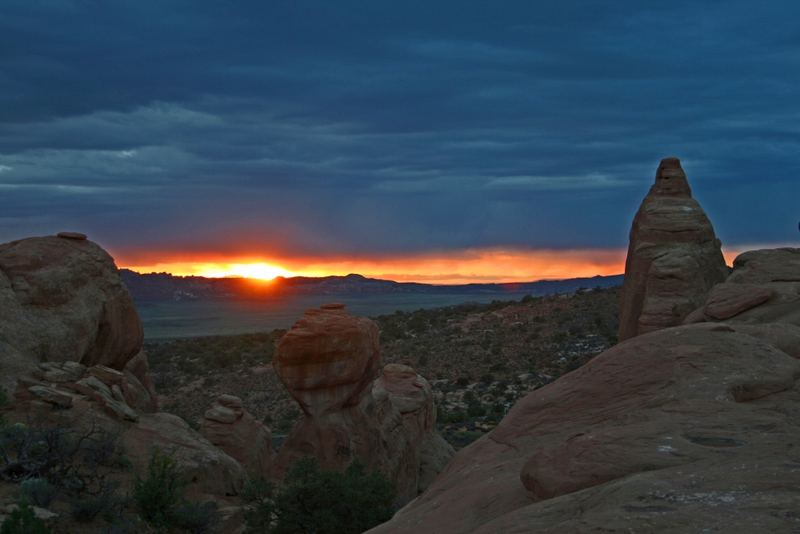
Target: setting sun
256,271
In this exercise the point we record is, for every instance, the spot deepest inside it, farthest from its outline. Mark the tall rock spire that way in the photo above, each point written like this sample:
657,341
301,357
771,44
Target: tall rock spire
674,257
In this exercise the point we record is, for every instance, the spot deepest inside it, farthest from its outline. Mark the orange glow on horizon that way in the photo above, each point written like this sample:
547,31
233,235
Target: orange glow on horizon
443,267
452,267
255,271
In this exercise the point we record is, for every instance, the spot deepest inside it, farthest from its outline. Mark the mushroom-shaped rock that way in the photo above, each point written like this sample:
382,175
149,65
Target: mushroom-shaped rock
231,428
674,257
328,359
329,363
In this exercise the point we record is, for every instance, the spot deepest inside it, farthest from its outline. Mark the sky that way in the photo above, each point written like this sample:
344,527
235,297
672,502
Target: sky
439,141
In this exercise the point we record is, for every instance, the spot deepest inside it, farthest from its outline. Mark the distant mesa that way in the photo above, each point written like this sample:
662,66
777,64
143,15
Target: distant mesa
688,424
166,287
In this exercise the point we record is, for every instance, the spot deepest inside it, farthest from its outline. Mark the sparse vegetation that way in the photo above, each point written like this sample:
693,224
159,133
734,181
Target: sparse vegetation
77,461
64,466
158,496
37,491
319,501
159,491
85,509
196,517
23,521
3,402
480,347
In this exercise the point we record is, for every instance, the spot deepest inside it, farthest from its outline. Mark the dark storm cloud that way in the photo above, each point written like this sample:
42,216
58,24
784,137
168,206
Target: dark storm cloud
338,126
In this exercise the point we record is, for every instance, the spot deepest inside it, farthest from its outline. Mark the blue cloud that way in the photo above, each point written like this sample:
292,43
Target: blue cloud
348,127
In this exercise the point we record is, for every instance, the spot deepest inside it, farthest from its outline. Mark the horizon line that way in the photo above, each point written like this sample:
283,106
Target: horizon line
376,277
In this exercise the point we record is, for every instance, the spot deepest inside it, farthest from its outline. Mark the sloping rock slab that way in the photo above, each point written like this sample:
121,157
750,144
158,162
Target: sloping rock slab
207,469
684,429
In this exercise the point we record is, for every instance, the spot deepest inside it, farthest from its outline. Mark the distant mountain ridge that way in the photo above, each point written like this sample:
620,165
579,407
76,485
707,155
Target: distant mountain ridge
164,286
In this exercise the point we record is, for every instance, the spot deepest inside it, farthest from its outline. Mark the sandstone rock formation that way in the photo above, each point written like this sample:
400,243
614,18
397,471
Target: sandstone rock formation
329,361
71,396
764,287
682,429
674,257
63,300
120,395
231,428
411,395
70,350
207,469
691,428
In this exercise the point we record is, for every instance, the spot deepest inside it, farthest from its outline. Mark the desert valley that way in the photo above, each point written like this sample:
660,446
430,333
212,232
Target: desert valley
451,267
670,402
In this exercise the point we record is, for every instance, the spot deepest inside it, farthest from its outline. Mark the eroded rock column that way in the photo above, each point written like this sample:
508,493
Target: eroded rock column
674,257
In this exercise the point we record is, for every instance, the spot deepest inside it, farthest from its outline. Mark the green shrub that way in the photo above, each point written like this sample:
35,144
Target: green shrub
23,521
444,417
260,515
196,517
105,502
324,502
85,509
37,491
256,489
560,337
475,409
227,359
286,421
65,457
3,402
157,494
122,525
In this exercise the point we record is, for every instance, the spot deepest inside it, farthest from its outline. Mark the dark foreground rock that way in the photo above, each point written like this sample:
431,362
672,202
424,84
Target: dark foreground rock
692,428
764,287
62,300
70,351
685,429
